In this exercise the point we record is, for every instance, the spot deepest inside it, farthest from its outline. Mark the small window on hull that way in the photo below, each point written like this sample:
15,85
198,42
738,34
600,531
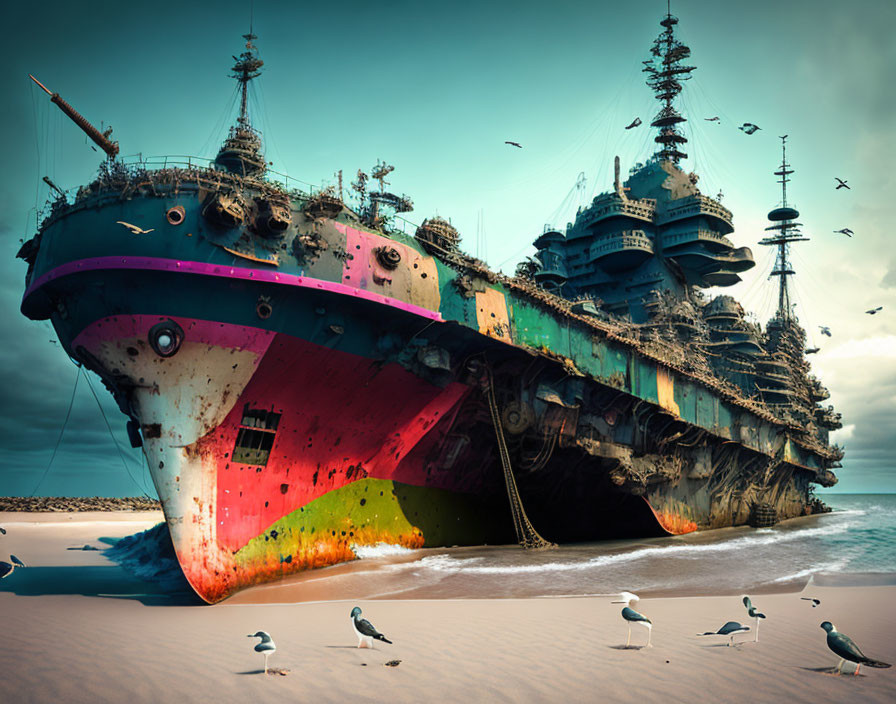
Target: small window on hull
256,436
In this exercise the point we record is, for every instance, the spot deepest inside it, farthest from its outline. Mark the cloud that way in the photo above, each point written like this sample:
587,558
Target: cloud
889,280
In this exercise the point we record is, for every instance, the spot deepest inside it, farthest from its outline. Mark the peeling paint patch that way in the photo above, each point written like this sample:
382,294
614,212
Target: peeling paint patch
491,314
665,389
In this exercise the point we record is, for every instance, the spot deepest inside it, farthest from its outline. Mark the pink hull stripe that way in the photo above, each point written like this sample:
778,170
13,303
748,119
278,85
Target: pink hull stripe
118,328
233,272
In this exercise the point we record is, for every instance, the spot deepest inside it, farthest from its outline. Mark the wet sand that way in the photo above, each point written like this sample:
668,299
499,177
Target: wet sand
80,629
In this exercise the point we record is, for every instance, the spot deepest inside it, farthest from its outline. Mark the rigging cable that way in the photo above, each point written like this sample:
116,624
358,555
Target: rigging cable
112,435
68,414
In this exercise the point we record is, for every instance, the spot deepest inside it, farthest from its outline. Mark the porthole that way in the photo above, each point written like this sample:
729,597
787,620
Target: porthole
176,215
263,307
165,338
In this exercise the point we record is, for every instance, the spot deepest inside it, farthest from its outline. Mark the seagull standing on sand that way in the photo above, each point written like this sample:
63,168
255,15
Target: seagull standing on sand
731,629
265,646
754,613
632,616
843,646
365,631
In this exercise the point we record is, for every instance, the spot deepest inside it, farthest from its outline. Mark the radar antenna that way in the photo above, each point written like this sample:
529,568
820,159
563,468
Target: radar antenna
665,76
787,230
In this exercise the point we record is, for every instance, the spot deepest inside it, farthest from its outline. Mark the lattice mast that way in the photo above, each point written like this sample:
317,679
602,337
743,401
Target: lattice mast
787,230
241,152
665,76
246,68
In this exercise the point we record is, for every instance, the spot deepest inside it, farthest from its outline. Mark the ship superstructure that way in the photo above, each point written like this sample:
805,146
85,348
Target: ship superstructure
305,378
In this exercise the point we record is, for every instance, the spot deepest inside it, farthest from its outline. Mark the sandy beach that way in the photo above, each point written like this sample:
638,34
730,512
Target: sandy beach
79,629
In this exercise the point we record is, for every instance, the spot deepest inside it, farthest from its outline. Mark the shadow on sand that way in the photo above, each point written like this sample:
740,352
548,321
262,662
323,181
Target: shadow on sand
831,671
111,582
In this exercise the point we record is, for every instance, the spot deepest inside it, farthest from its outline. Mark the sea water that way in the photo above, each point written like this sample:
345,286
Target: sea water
854,544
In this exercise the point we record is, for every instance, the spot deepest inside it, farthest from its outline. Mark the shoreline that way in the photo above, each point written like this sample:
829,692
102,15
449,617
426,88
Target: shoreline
82,629
77,504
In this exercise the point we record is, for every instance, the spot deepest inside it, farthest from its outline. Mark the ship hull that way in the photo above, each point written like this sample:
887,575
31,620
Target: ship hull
303,413
358,455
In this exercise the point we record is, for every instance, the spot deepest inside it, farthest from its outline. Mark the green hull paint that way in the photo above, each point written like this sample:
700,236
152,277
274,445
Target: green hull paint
371,511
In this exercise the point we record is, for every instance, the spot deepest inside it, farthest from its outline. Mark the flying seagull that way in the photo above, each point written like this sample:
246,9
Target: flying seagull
825,330
815,602
732,628
843,646
845,231
812,350
365,631
841,184
873,311
712,119
755,615
134,229
265,646
7,568
635,123
514,144
749,127
632,616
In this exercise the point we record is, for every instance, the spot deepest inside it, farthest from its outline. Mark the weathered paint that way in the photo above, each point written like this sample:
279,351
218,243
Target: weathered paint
323,355
415,280
665,386
491,314
217,508
675,517
233,272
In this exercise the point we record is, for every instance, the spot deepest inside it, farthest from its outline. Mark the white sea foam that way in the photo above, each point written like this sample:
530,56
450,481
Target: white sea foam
770,536
365,552
815,569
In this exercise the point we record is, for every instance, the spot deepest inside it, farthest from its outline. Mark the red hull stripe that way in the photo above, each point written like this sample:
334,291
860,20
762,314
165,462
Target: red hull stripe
343,418
233,272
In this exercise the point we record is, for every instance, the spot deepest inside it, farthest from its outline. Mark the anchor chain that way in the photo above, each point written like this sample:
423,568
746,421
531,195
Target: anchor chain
526,534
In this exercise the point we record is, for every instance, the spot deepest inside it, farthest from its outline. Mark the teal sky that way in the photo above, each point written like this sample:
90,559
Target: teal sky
436,90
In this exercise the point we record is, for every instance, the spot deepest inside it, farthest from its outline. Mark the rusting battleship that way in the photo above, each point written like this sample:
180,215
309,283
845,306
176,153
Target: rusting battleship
304,377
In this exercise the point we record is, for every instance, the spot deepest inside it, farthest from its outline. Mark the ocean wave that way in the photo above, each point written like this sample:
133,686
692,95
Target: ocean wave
810,571
770,536
365,552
